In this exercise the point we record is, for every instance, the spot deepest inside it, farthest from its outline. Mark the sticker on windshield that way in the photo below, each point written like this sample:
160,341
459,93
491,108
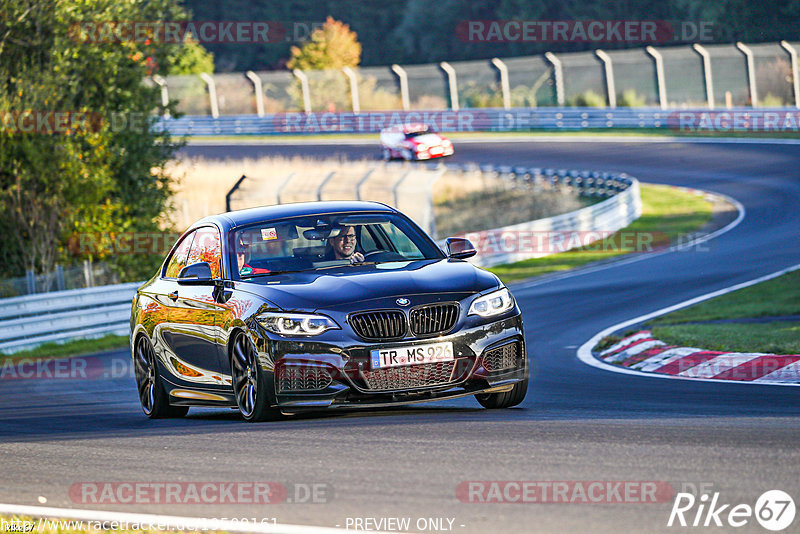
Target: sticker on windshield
269,234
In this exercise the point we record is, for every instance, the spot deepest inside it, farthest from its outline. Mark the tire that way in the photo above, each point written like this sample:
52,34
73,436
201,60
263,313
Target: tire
249,382
506,399
150,385
387,154
408,155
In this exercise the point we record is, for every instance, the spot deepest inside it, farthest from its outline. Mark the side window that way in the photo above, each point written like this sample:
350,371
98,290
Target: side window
206,247
178,259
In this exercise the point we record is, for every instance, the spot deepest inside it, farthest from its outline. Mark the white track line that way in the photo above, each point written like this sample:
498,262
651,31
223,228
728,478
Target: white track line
643,256
585,351
163,522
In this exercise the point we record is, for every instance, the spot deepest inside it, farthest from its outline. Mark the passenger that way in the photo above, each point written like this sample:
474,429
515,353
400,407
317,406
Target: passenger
343,246
243,256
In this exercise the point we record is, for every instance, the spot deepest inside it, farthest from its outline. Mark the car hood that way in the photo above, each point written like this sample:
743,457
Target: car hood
343,287
428,139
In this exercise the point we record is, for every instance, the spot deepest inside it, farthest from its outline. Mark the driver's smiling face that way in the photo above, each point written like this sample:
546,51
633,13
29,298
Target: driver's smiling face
344,245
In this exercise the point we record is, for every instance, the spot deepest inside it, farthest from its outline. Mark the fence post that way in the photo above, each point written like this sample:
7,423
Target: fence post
662,88
253,77
452,84
232,191
304,86
402,75
430,220
362,181
88,275
504,85
795,77
162,84
558,76
30,281
608,67
212,94
351,75
396,188
709,81
280,187
751,72
324,183
60,278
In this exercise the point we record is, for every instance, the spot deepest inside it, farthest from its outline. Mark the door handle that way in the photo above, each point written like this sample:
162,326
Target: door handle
173,295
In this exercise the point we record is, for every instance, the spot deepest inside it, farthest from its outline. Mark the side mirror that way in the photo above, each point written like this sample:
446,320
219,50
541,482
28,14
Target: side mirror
196,274
458,247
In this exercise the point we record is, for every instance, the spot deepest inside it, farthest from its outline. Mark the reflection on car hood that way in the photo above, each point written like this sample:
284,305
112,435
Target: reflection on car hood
336,287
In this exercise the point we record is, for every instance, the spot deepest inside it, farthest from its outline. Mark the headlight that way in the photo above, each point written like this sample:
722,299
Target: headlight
494,303
422,147
296,324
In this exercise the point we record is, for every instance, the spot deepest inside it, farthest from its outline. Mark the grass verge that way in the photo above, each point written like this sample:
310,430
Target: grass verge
71,348
667,213
779,297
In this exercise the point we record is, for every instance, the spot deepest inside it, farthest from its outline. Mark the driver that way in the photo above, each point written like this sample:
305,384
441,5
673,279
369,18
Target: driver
343,246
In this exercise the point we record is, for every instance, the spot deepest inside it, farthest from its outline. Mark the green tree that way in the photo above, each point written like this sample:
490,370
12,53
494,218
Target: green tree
106,175
332,46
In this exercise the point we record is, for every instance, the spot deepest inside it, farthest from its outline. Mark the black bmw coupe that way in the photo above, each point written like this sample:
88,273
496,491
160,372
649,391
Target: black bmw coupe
322,305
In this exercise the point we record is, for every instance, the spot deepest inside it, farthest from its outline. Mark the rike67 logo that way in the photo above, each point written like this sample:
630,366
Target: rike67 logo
774,510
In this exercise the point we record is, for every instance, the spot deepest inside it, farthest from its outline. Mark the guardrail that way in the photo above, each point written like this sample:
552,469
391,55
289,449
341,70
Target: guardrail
29,321
59,316
476,119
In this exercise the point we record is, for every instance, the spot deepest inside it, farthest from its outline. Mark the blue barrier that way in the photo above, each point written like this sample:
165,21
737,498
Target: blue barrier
479,119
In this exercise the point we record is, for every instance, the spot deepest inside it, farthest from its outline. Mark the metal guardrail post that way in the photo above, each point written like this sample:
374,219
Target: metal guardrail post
162,84
505,87
751,72
795,75
324,183
212,94
452,84
709,81
660,82
608,68
351,75
230,193
402,75
257,89
60,285
304,87
362,181
558,76
280,187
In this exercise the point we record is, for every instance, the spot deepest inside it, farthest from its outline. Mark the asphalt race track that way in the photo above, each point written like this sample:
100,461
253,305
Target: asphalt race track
578,423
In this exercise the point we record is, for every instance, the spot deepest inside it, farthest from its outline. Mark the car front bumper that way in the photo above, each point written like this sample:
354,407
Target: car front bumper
336,375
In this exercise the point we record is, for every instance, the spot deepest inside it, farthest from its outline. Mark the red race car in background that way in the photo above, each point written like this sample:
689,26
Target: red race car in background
414,141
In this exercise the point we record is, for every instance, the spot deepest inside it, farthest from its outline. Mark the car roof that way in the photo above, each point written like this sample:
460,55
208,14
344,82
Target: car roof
408,128
234,219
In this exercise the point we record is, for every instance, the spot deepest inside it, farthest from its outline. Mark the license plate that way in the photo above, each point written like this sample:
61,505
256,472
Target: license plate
412,355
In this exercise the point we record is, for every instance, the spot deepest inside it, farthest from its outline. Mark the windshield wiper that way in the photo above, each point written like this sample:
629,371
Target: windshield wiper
254,275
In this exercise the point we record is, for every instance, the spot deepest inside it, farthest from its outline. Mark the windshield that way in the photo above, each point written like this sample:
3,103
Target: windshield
325,241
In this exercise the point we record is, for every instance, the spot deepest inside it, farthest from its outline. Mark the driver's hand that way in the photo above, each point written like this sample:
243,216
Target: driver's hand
357,257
